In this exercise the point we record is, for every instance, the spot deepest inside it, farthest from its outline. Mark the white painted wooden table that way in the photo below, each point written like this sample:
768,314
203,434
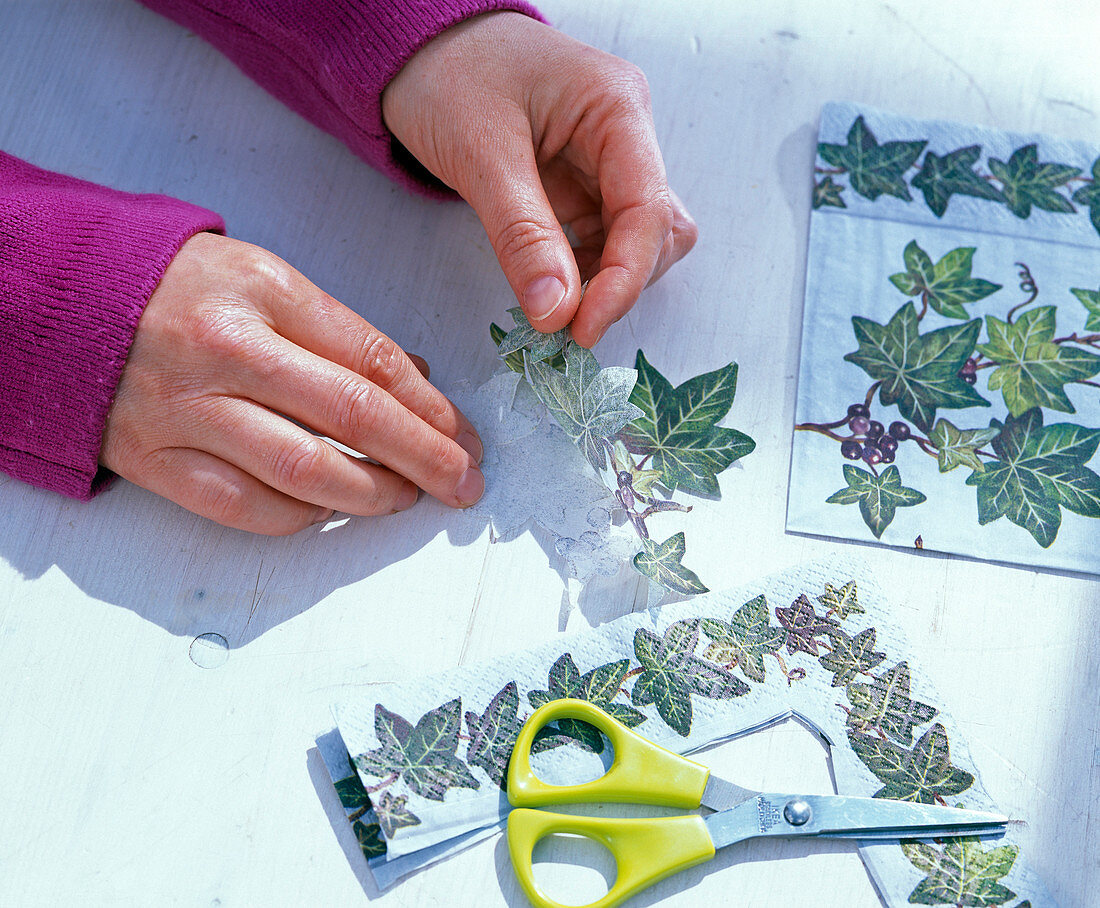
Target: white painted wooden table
132,774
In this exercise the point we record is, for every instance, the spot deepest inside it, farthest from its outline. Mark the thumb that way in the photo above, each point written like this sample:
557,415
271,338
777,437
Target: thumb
507,193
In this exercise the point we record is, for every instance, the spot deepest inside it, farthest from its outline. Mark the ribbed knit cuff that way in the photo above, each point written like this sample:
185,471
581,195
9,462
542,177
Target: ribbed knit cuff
78,263
330,60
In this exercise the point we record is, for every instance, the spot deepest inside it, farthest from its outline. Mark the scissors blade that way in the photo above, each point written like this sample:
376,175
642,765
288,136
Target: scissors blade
837,816
721,794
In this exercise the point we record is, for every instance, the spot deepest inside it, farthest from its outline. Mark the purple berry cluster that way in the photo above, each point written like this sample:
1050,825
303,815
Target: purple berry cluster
969,371
871,442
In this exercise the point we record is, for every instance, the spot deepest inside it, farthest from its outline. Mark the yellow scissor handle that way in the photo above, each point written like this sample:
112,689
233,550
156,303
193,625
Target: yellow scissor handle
645,850
642,772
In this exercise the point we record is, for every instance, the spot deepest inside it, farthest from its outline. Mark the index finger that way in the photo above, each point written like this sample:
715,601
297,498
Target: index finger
638,212
311,319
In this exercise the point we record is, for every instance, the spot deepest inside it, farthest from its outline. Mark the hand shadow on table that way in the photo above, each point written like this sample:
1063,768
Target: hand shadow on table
190,576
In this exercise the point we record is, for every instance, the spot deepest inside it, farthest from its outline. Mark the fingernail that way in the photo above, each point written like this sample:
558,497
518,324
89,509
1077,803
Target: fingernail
542,297
470,487
407,498
471,444
322,514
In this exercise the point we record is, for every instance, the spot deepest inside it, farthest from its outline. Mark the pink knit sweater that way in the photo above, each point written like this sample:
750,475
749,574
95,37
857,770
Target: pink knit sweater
78,262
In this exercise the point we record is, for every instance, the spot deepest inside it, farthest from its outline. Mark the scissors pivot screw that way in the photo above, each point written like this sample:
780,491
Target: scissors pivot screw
797,812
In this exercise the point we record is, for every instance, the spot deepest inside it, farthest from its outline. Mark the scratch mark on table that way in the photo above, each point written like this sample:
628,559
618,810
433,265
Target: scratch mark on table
257,593
942,55
476,606
1060,102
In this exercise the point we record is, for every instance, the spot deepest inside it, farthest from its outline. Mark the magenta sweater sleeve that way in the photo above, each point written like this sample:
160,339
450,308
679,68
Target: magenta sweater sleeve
330,60
78,262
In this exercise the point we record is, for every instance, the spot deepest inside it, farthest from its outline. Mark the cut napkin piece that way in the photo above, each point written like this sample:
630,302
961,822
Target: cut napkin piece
430,756
949,387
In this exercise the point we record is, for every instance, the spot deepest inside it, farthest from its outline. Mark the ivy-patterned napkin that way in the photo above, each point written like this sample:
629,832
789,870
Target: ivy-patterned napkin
949,392
421,764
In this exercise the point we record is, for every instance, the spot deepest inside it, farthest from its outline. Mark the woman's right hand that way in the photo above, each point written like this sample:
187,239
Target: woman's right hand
233,349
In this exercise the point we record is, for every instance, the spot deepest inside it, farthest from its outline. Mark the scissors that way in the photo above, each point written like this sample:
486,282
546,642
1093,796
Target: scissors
648,850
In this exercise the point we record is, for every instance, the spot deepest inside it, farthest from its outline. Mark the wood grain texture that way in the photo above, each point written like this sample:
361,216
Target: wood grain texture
130,775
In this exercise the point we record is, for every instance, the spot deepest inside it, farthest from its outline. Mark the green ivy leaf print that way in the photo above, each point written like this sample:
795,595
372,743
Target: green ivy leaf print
841,602
953,174
745,639
922,774
962,873
878,497
1026,182
513,361
885,704
851,656
369,837
591,404
662,563
677,427
1032,370
959,447
947,284
494,732
539,346
1089,196
826,192
872,168
672,673
392,814
919,372
351,792
1038,468
1090,299
641,479
802,626
600,687
424,755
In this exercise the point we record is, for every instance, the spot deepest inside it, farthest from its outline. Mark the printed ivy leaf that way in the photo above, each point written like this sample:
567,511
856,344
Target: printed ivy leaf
423,756
745,640
1026,182
524,336
591,404
513,361
677,427
661,562
369,837
392,814
828,193
947,284
919,372
599,687
885,704
641,480
921,774
1089,195
493,733
942,177
1038,469
672,673
803,626
873,169
1032,370
878,497
851,656
1090,299
959,446
842,602
963,873
351,792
